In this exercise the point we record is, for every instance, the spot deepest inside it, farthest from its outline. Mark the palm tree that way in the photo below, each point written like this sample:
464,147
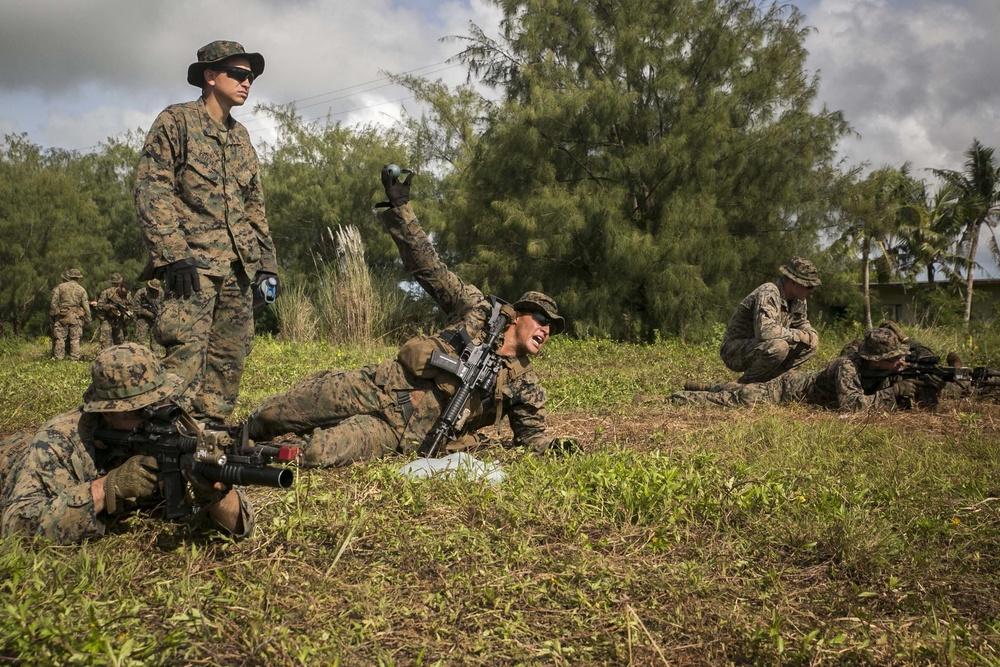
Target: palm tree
978,203
873,213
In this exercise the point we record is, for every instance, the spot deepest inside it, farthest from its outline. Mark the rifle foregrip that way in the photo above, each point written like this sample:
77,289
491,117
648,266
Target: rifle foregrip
281,478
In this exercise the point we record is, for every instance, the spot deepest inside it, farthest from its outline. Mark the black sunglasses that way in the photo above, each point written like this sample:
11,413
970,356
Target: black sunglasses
237,73
542,319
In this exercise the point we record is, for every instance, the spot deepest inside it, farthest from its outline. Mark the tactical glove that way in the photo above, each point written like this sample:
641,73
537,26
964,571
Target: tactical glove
904,389
181,277
563,447
136,478
397,191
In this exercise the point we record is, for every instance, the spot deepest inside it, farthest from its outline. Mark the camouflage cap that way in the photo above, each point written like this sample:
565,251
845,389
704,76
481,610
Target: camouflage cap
153,284
802,271
537,301
896,329
116,278
72,273
127,377
881,344
216,52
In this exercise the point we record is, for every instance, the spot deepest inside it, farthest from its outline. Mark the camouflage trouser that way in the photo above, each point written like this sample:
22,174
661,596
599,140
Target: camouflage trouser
112,332
760,361
345,417
207,338
144,335
66,336
791,387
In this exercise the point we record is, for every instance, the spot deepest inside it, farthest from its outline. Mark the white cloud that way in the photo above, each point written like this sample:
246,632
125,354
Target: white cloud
73,70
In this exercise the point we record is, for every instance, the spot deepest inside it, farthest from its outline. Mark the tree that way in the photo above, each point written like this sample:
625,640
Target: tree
874,225
977,204
320,176
48,223
641,169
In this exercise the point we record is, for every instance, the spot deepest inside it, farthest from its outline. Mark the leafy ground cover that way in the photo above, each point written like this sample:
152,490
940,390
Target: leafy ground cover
779,535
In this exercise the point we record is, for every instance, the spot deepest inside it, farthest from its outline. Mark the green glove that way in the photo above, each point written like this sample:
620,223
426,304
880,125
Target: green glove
138,477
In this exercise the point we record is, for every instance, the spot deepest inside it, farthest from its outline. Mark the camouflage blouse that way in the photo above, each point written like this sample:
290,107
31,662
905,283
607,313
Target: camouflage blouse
764,314
198,193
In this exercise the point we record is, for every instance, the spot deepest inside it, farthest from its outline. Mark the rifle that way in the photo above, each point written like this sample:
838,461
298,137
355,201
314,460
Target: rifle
148,304
123,311
178,443
926,370
476,368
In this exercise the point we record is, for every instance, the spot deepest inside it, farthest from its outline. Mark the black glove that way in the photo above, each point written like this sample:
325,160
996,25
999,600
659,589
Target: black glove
182,278
263,291
563,447
397,191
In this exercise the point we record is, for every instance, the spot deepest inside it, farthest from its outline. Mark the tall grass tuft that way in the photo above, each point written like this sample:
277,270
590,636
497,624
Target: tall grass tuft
347,303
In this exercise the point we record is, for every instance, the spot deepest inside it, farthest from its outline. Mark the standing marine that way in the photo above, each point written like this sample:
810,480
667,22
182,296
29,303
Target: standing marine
114,310
200,204
69,311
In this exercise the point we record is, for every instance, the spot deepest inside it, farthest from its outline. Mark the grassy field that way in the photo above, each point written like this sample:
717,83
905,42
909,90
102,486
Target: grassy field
773,536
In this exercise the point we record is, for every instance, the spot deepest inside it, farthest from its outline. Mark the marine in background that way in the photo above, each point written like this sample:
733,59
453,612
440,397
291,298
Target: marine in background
69,312
769,333
147,302
114,310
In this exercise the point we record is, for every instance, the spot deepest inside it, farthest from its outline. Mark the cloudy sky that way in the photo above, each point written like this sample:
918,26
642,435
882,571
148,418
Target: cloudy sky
917,79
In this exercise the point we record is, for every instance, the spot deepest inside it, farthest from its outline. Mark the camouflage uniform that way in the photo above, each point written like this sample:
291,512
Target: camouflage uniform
47,476
114,310
146,304
842,385
69,311
949,390
390,407
769,335
198,196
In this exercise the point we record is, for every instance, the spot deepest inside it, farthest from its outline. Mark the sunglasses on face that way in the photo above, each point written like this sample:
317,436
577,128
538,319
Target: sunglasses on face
237,73
542,319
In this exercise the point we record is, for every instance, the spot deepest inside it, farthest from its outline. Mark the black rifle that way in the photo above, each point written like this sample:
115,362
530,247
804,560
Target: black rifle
476,368
926,369
123,311
178,443
148,304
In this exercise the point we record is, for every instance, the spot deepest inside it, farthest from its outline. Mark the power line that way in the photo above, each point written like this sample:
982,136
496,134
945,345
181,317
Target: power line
341,113
357,85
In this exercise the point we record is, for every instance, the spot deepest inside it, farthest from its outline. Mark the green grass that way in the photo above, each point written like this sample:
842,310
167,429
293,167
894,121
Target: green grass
681,536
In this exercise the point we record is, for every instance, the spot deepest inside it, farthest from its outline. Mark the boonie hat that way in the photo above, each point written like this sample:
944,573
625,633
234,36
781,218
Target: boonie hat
216,52
72,273
153,284
802,271
116,278
537,301
881,344
128,377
